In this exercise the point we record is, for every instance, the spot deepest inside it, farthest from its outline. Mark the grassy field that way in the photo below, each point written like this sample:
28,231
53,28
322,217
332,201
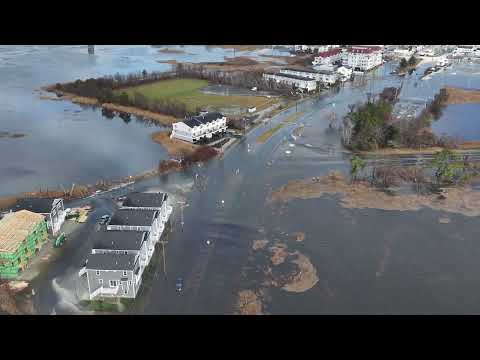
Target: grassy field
188,92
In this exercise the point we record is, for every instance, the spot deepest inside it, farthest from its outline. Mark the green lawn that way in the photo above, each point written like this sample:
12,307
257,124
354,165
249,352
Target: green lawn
188,92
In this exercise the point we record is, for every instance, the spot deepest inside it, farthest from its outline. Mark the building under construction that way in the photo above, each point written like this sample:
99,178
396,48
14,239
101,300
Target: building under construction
22,233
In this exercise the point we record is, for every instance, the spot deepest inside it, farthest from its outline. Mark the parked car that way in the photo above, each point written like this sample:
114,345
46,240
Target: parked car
179,285
104,219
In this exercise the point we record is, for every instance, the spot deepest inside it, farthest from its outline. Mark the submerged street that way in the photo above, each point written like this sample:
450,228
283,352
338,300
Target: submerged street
366,260
223,237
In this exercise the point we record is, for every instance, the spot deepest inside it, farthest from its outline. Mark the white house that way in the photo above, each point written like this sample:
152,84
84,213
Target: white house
199,128
362,58
328,57
300,82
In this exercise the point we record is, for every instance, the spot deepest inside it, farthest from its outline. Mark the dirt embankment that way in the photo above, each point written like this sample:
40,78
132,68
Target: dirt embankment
171,51
61,95
12,302
360,195
462,96
174,147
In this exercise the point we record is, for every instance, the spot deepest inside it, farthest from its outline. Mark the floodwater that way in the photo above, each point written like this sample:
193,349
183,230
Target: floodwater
66,143
368,261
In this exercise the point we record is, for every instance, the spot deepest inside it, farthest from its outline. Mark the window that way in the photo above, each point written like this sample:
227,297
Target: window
98,272
100,281
124,273
113,283
126,252
129,283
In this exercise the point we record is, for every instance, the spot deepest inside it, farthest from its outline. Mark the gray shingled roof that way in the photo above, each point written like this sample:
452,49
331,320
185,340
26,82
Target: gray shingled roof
118,240
138,199
111,262
203,119
130,217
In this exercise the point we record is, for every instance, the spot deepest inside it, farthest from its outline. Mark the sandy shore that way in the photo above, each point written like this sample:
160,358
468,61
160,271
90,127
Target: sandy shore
360,195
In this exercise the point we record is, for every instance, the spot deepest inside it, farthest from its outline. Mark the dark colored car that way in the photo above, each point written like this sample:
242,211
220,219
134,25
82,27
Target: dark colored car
179,285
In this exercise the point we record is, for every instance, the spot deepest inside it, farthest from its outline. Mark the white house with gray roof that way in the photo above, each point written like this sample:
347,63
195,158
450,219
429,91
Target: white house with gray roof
300,82
206,126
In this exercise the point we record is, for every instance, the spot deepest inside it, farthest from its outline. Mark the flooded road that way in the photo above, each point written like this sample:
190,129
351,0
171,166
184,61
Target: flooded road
367,261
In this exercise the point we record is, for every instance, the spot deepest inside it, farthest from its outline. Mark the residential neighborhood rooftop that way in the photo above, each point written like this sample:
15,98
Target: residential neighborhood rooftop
328,53
111,261
293,76
14,228
118,240
202,119
130,217
139,199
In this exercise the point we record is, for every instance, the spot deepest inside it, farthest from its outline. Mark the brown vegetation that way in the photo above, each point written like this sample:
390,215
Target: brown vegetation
361,195
174,147
259,244
304,278
201,154
249,303
462,96
171,51
279,253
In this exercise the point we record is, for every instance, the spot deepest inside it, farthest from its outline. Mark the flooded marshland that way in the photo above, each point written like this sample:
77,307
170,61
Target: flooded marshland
308,256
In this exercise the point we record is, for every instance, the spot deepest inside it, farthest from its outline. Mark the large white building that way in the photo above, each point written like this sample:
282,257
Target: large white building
301,82
328,57
199,128
323,76
362,58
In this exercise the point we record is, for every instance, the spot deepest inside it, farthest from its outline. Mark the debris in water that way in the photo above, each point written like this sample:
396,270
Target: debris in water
288,152
291,145
299,236
259,244
444,220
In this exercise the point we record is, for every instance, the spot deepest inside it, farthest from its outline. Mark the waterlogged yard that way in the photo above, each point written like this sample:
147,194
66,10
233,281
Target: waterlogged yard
188,92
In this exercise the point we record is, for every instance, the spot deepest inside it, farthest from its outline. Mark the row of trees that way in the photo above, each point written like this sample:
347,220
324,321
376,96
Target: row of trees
405,63
444,169
108,90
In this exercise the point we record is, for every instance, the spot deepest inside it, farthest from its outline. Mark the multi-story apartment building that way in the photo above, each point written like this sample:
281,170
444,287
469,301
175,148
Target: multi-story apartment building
362,58
300,82
206,126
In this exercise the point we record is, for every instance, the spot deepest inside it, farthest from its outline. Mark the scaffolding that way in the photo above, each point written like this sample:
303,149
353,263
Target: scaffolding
22,233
